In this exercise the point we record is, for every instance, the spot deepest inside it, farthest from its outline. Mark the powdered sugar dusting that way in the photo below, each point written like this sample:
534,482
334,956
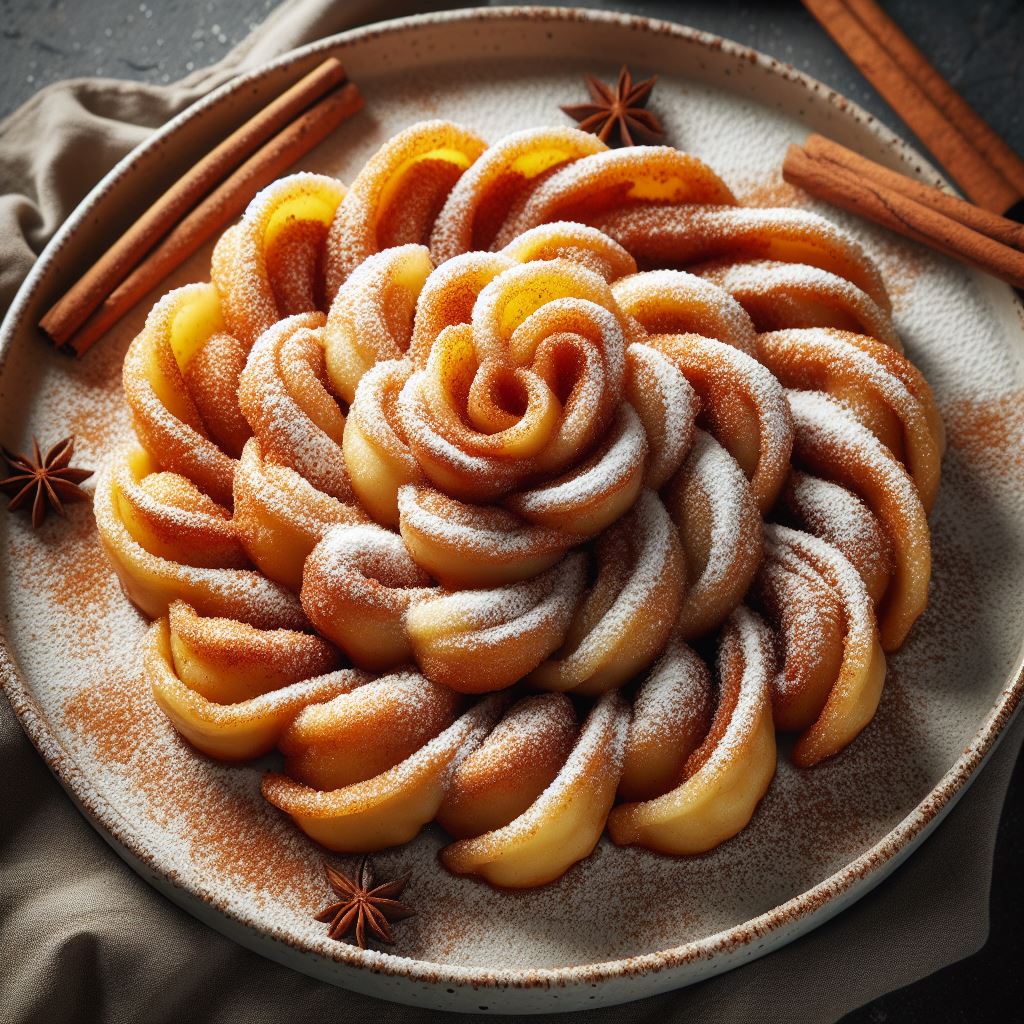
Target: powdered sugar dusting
288,359
822,420
486,619
596,757
477,530
725,487
746,641
689,234
540,721
600,475
774,293
837,515
675,689
657,382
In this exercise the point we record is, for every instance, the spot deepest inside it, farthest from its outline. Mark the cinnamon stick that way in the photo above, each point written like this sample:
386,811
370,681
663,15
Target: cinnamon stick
225,203
86,295
940,92
966,164
900,213
1002,230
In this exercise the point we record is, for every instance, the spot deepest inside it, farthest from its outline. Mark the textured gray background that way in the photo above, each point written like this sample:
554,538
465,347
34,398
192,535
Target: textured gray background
979,47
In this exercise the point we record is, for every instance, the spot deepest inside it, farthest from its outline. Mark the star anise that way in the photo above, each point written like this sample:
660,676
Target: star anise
49,480
363,906
617,115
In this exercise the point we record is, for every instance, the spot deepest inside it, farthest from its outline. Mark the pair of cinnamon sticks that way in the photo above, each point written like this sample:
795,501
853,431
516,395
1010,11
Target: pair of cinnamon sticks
210,195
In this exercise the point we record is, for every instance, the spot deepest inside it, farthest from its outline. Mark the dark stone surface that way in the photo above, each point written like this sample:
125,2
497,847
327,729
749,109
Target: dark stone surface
979,47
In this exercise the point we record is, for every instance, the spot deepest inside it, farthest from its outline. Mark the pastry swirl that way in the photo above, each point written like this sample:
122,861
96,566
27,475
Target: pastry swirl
271,265
169,541
231,689
536,416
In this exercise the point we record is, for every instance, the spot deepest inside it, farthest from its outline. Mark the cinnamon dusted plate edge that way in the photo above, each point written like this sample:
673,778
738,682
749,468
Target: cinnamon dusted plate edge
200,831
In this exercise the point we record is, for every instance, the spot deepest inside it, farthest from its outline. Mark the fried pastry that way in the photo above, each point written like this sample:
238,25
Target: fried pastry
597,478
230,689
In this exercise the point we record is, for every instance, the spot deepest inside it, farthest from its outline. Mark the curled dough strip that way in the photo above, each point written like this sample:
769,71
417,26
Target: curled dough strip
238,731
271,264
886,393
398,194
392,807
598,491
627,614
832,443
378,460
840,518
280,516
666,404
500,182
172,519
742,404
464,545
227,661
719,525
211,380
524,389
728,774
671,717
513,766
453,455
783,295
479,640
448,297
674,302
166,419
371,319
284,397
563,825
357,586
829,703
513,313
687,234
606,182
577,243
807,617
154,533
578,348
364,732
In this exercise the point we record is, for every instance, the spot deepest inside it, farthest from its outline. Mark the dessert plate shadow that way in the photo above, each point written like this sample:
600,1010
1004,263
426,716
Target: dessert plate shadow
200,832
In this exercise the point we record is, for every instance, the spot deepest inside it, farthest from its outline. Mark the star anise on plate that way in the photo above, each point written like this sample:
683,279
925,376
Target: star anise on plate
617,115
362,906
48,480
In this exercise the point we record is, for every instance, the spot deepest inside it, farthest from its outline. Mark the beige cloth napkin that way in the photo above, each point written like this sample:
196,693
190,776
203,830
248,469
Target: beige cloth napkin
82,938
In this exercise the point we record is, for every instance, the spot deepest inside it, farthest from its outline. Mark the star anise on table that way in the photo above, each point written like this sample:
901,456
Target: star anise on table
48,480
362,906
617,115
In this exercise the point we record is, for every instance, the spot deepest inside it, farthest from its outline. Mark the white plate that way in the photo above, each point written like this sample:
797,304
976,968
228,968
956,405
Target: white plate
625,923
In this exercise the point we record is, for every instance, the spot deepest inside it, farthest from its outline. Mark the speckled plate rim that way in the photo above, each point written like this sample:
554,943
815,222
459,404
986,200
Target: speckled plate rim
650,973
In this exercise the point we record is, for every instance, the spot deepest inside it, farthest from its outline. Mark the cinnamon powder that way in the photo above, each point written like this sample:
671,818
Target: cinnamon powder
231,832
988,432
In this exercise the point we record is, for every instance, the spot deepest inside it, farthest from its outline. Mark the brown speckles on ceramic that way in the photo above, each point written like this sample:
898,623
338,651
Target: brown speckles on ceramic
820,840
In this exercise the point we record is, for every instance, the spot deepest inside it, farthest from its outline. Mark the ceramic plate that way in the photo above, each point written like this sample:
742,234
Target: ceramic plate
200,832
